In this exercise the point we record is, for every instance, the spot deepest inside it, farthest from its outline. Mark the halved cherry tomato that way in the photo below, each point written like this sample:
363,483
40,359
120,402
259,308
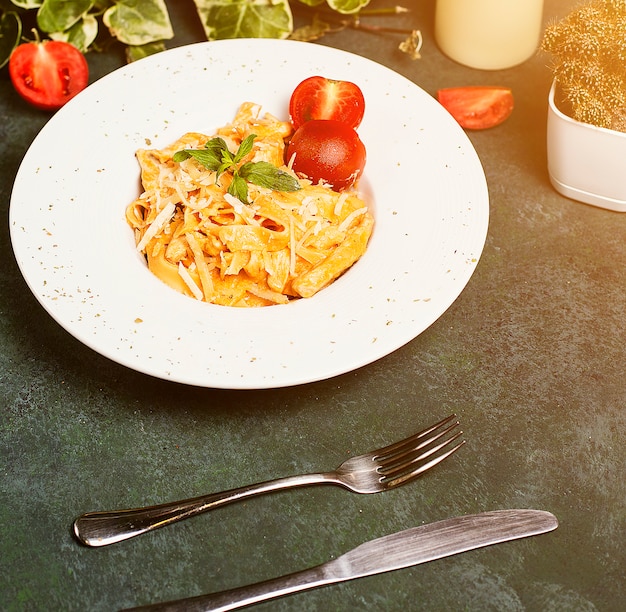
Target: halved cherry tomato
477,107
47,74
320,98
328,150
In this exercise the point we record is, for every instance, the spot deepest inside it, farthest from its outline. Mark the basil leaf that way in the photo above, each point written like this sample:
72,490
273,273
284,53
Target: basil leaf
225,165
217,157
218,148
205,157
267,175
244,148
180,156
245,18
10,33
239,189
60,15
138,22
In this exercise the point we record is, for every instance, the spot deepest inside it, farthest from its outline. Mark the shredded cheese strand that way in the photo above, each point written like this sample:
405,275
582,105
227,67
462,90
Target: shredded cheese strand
161,219
195,290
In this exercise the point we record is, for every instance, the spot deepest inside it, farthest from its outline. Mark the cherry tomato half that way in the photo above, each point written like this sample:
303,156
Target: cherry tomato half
47,74
477,107
320,98
327,150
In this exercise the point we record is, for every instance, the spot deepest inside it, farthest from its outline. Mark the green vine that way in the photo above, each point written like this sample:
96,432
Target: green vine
144,26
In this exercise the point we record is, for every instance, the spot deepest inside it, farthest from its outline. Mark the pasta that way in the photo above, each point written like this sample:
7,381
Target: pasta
206,243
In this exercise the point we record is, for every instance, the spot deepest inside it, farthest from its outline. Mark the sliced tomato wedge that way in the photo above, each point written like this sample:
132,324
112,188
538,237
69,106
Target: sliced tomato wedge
321,98
477,107
49,73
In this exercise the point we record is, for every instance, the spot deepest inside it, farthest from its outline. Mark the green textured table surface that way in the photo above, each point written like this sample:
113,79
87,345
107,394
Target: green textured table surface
531,357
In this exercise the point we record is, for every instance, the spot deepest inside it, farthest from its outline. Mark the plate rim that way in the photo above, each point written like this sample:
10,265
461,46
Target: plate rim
191,50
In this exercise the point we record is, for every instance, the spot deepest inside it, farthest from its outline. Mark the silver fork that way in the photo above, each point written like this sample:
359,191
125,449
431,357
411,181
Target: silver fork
379,470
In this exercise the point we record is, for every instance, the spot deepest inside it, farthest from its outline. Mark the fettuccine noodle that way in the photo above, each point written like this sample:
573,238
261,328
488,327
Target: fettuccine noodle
207,244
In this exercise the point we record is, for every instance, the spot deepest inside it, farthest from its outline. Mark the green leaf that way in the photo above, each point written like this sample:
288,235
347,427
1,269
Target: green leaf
224,166
312,2
217,157
244,148
138,22
311,31
239,189
27,4
137,52
60,15
10,33
81,34
218,145
245,18
182,155
347,6
267,175
206,158
99,6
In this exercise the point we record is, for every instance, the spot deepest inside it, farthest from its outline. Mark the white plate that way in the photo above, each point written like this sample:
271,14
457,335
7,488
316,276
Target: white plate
77,255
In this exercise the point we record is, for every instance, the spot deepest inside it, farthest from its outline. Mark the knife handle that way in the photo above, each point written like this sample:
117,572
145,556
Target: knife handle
240,597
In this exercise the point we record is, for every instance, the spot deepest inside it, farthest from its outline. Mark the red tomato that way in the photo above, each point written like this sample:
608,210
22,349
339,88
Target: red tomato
47,74
477,107
323,149
321,98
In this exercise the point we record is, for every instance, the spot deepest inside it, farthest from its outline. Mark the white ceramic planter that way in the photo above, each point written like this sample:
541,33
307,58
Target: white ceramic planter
586,163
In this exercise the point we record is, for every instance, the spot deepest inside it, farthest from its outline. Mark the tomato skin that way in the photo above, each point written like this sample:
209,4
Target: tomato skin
47,74
327,150
321,98
477,107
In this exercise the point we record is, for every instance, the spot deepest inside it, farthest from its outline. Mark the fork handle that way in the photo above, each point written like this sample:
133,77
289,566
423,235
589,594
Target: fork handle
103,528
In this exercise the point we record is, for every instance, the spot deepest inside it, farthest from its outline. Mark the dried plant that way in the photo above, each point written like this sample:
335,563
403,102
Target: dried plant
588,48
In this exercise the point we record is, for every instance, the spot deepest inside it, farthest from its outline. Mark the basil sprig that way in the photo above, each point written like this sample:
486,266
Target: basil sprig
216,157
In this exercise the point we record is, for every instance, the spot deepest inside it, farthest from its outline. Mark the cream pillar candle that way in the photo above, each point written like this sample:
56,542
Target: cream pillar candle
488,34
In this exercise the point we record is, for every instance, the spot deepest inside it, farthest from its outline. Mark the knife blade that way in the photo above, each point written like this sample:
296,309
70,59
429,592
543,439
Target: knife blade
388,553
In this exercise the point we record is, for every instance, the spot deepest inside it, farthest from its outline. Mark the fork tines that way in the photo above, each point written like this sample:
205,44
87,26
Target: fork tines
411,457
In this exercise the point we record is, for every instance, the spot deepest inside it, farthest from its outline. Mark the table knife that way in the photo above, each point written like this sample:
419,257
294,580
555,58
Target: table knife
391,552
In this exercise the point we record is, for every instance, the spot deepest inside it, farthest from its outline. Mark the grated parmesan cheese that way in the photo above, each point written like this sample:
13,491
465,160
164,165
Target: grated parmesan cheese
161,219
195,290
347,222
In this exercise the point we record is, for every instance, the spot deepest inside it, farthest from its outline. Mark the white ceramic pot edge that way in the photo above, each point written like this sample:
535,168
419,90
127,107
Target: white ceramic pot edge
585,162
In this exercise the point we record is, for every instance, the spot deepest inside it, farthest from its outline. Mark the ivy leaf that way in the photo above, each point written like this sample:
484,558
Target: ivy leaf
138,22
313,31
245,18
10,33
60,15
267,175
137,52
347,6
27,4
81,34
